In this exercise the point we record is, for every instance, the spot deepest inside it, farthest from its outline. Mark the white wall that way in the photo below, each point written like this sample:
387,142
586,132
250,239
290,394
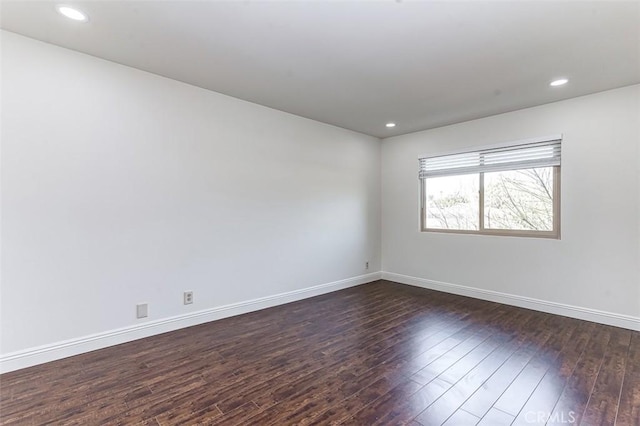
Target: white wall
120,187
596,264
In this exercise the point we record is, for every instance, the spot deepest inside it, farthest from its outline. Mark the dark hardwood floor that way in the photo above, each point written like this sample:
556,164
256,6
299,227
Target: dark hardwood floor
381,353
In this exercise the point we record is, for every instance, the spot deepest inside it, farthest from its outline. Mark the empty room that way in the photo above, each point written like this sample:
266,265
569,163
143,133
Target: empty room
320,213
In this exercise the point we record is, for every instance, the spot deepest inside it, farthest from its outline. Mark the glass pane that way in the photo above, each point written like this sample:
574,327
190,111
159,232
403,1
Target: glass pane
452,202
519,199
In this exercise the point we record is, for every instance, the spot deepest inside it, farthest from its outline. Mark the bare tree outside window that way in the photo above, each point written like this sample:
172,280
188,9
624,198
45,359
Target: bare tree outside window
511,190
519,199
513,201
453,203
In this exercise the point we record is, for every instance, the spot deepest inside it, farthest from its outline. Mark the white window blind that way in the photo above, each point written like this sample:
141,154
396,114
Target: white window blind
521,156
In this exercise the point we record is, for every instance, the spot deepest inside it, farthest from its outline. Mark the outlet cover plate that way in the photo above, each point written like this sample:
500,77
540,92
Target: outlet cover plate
142,310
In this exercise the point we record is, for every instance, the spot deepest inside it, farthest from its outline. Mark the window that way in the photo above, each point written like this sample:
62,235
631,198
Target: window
510,190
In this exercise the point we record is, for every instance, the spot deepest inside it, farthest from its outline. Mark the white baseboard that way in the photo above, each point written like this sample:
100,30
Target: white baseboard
602,317
39,355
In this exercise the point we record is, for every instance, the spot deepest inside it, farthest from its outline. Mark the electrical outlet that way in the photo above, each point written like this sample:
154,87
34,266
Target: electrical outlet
188,297
142,310
366,265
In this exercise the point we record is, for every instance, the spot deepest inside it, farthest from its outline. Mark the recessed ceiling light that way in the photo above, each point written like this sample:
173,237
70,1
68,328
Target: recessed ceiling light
72,13
390,125
559,82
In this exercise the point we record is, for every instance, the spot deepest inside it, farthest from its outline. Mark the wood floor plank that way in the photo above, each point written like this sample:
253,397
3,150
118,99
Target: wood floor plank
603,402
484,399
462,418
267,394
543,399
629,406
576,394
519,391
381,353
376,411
495,417
451,401
339,412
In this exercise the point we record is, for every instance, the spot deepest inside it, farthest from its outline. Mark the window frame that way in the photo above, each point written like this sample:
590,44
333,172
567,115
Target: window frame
553,234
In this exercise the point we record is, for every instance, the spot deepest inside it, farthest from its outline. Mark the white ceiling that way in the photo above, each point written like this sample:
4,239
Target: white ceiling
358,64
